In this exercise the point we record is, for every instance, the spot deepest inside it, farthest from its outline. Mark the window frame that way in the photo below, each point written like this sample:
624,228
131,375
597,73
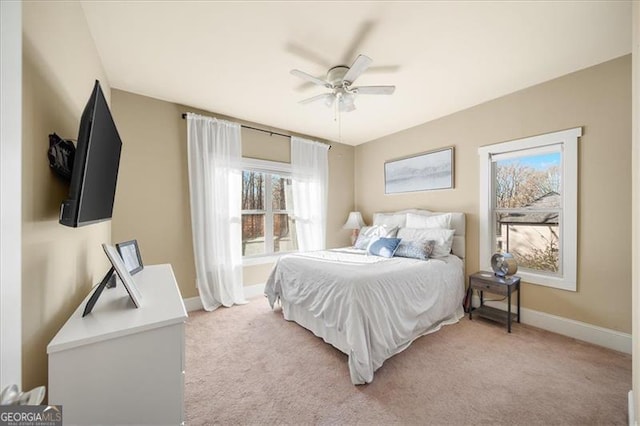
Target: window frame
269,168
567,140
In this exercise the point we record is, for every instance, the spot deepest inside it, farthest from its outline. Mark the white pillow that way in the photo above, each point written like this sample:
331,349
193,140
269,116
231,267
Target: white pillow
370,233
442,221
442,237
419,211
390,219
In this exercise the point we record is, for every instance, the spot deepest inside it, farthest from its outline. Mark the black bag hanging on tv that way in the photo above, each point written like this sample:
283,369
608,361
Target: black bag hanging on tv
61,154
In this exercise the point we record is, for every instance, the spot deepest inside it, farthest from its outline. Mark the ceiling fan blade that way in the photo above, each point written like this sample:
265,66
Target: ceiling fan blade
307,54
359,66
383,69
324,96
374,90
360,37
312,79
304,86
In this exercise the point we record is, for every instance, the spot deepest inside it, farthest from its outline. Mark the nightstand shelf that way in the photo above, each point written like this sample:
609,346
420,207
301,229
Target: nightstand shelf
486,281
494,314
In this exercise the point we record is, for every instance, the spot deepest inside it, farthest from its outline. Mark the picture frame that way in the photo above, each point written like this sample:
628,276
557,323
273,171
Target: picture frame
123,273
130,255
109,276
427,171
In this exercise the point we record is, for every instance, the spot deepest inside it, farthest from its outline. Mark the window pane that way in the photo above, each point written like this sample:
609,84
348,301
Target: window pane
284,233
253,234
281,192
253,190
532,238
527,181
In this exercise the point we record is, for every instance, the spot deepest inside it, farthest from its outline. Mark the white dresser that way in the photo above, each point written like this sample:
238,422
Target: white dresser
122,365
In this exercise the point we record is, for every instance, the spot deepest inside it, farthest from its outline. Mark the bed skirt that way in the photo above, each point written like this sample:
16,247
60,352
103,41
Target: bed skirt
331,335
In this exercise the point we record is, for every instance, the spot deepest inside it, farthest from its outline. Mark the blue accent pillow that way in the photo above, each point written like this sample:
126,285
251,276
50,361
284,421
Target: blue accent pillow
384,247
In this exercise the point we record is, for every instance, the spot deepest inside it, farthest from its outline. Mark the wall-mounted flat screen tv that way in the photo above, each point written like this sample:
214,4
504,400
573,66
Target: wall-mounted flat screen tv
95,167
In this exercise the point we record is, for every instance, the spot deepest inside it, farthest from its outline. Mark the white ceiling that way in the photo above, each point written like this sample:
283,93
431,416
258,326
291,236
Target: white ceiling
234,58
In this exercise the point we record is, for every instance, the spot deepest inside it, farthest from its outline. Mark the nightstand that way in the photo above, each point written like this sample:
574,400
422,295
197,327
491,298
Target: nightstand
487,281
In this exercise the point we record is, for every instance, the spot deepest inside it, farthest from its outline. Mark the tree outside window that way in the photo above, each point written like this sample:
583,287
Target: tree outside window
528,210
267,222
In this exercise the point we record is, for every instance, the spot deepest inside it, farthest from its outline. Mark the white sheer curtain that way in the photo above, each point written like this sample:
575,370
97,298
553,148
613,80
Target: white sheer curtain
215,184
309,182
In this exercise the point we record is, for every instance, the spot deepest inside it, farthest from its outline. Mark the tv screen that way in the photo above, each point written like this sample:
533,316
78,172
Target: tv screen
95,167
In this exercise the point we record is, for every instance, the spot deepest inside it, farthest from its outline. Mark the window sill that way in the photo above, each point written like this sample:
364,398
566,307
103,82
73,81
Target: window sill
262,260
547,280
544,280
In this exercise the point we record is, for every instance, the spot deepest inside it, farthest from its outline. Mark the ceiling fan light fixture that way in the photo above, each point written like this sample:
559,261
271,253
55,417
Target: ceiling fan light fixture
347,107
329,100
347,103
339,80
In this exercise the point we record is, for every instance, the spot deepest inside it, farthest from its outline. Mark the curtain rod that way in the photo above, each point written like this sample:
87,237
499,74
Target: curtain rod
259,130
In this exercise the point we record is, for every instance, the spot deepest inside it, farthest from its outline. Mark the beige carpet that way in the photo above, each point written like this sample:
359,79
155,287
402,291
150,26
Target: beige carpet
247,365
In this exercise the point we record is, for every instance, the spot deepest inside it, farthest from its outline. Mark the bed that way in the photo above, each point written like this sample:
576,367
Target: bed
372,307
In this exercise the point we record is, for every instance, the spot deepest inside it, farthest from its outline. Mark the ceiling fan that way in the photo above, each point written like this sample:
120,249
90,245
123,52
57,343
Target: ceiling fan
339,80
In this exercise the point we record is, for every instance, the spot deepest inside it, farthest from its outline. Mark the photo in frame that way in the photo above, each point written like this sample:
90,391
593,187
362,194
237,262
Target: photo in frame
130,254
123,273
421,172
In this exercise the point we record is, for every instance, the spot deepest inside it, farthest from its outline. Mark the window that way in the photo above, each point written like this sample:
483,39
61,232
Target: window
267,214
528,206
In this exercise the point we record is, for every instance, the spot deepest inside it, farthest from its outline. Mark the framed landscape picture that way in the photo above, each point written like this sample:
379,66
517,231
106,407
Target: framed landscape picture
422,172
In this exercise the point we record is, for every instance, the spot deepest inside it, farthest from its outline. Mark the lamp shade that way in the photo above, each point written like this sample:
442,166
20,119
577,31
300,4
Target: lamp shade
354,221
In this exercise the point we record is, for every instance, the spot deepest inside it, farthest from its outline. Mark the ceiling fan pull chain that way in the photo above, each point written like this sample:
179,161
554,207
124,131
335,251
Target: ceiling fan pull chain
339,123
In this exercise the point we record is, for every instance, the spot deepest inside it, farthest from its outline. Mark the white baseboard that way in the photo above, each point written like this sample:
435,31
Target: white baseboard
632,416
250,291
193,304
600,336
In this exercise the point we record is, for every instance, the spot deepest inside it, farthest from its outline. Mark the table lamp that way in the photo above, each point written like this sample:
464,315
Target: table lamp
355,222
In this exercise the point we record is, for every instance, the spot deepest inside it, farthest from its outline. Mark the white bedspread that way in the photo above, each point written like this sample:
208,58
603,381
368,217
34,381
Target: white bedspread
378,305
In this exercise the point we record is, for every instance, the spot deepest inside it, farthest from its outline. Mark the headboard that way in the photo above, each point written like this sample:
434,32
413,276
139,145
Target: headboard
458,224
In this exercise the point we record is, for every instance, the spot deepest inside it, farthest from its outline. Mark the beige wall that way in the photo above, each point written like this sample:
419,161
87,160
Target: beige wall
152,199
152,196
597,98
59,264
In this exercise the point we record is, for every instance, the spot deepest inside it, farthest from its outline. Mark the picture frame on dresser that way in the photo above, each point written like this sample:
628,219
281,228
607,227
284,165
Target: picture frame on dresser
130,254
121,270
123,273
109,277
426,171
